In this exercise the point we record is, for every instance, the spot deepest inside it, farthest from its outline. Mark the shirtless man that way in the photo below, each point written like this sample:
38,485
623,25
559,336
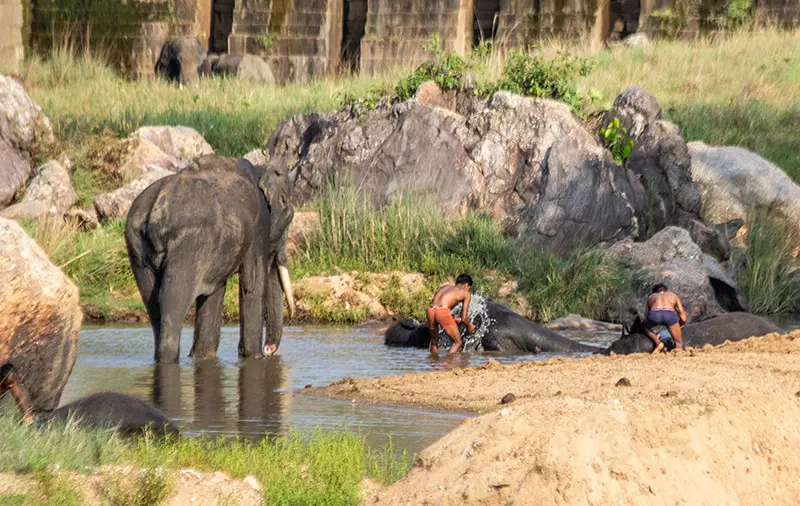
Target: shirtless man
439,313
9,381
664,308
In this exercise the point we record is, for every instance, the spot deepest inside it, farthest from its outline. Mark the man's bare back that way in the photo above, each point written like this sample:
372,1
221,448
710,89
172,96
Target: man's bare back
445,299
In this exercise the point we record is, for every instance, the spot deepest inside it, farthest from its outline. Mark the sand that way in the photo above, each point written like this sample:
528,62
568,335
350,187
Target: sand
719,425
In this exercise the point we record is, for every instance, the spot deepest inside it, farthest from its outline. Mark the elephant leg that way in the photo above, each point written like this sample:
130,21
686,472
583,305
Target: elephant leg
207,324
178,288
251,306
147,282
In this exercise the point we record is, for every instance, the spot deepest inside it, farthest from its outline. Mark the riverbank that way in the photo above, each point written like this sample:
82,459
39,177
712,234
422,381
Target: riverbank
704,426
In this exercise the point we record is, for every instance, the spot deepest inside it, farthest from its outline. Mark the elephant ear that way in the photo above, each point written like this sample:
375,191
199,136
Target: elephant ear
267,186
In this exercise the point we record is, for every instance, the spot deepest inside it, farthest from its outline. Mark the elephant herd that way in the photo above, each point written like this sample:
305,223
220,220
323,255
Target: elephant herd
189,232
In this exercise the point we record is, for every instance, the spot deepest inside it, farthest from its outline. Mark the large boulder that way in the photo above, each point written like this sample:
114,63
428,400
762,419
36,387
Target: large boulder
245,66
528,162
23,127
735,180
138,156
52,186
117,203
181,142
31,210
40,316
670,257
183,60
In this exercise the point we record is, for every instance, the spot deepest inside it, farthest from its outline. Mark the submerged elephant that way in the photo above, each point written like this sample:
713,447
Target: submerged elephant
188,233
124,413
714,331
499,329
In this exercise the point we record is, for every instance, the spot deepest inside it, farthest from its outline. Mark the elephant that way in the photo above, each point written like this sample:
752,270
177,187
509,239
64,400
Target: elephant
726,327
112,410
189,232
183,60
500,329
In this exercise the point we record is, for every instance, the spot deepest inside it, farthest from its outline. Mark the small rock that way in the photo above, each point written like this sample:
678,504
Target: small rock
670,393
797,394
623,382
87,218
253,483
308,386
508,398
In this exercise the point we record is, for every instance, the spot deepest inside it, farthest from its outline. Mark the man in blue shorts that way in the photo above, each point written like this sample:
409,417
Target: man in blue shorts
664,308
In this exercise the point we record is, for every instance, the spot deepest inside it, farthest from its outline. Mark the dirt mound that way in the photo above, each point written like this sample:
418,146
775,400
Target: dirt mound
717,425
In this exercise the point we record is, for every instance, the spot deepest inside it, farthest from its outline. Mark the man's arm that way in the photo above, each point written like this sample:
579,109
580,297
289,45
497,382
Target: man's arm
464,313
681,313
24,403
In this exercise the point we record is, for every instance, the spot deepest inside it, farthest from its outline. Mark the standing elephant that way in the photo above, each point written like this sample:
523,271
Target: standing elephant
188,233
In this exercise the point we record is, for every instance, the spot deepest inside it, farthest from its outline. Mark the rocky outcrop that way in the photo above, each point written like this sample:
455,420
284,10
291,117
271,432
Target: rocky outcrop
303,226
183,60
52,186
23,126
117,203
40,316
670,257
181,142
528,162
735,180
248,66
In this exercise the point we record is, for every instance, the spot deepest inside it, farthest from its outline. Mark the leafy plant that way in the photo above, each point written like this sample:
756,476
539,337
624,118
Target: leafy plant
266,40
617,141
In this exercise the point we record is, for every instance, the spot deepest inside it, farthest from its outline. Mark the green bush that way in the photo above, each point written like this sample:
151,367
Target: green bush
617,141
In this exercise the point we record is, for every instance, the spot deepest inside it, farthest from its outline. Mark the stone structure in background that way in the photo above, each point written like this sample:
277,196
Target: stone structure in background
303,39
11,44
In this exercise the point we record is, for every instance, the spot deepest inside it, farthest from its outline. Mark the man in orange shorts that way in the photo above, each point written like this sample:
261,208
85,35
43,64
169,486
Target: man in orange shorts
439,313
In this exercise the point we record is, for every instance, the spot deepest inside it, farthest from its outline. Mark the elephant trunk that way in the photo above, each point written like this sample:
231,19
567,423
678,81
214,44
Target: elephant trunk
286,285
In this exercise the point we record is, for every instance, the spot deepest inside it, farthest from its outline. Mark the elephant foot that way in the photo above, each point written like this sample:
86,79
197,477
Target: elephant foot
270,349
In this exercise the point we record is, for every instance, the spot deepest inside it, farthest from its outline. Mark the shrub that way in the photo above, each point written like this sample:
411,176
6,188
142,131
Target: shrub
616,139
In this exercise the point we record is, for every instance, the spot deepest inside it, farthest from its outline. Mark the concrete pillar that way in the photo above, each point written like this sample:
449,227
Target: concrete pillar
11,48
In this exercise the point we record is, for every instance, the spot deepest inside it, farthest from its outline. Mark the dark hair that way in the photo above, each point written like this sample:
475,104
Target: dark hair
464,279
6,370
660,288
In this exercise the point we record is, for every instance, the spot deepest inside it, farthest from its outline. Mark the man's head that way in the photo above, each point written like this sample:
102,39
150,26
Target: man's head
464,280
8,376
659,288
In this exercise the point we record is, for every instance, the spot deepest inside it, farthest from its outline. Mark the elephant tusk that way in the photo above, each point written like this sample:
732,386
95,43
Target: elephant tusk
286,284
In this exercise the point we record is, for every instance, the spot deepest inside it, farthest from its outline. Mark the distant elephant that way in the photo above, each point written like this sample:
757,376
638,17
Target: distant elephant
504,331
183,60
726,327
188,233
124,413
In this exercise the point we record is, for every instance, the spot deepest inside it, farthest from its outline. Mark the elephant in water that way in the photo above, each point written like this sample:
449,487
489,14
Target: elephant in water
188,233
124,413
714,331
499,329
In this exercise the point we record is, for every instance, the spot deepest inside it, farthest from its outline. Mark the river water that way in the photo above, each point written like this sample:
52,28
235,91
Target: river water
251,398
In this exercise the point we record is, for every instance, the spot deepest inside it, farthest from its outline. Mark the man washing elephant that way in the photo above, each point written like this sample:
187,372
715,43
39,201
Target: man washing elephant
438,313
664,308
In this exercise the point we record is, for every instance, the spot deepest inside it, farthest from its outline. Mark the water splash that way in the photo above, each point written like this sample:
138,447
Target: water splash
479,316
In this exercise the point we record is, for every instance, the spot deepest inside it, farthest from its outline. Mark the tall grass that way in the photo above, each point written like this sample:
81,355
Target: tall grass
324,468
769,268
410,234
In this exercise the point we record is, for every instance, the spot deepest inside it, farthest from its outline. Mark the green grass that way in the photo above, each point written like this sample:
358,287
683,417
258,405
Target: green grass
769,269
323,468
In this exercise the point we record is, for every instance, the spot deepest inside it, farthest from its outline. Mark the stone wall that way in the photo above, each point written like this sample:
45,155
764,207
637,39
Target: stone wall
301,39
11,47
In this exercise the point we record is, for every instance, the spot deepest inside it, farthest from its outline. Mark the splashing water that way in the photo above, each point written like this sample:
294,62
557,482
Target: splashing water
479,316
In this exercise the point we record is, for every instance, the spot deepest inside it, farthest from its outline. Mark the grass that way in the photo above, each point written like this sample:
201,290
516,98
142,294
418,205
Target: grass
323,468
769,271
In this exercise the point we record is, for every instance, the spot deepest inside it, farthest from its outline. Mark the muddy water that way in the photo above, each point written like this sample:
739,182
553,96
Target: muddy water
254,397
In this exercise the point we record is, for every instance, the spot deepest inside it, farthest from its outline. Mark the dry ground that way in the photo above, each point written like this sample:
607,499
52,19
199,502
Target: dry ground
706,426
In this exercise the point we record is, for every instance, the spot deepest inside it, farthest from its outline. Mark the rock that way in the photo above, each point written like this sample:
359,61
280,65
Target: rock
525,161
711,240
183,143
248,66
734,180
52,186
730,228
726,287
23,127
670,257
431,95
623,382
87,218
140,156
31,210
638,39
40,316
256,157
117,203
303,225
508,398
183,60
577,322
635,109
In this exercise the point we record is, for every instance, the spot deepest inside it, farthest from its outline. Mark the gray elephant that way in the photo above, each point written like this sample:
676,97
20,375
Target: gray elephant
124,413
188,233
183,60
725,327
499,328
